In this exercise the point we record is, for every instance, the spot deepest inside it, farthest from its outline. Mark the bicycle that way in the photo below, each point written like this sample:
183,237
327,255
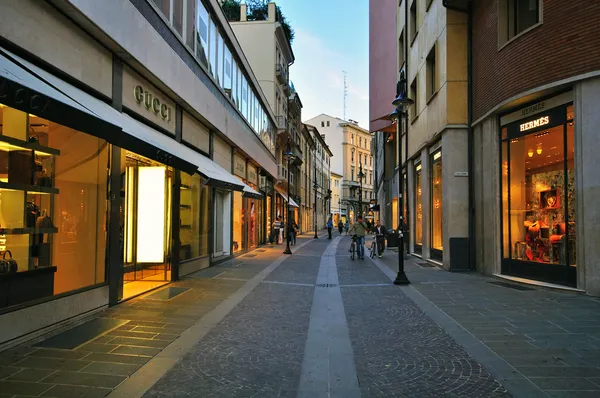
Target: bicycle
353,247
375,246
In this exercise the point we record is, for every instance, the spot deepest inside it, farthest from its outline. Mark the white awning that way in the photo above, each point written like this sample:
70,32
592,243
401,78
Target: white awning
252,193
50,97
285,197
205,166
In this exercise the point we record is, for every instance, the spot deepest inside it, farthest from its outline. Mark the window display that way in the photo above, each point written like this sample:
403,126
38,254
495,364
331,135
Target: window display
52,208
538,190
238,222
436,206
193,213
418,209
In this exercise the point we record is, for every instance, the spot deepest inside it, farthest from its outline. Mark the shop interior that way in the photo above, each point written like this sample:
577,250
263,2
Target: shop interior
437,237
539,214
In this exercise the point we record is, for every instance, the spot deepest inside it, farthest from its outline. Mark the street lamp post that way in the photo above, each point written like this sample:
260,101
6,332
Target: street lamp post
290,158
315,187
360,176
402,103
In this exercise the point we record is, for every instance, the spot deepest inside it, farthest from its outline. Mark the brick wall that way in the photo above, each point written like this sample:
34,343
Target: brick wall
566,44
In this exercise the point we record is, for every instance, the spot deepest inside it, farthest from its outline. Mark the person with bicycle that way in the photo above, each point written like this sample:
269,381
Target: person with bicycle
380,235
360,230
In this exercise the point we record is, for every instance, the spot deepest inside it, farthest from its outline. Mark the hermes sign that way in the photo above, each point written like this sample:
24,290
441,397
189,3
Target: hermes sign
535,123
239,168
143,98
252,176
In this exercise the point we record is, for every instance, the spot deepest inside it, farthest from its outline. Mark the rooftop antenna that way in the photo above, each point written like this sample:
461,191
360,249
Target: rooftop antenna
345,92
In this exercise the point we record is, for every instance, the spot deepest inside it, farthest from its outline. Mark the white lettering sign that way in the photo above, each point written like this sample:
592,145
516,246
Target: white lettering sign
535,123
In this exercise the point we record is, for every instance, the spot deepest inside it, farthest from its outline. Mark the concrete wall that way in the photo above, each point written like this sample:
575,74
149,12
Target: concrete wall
382,60
333,137
455,190
486,172
26,322
124,26
54,39
587,163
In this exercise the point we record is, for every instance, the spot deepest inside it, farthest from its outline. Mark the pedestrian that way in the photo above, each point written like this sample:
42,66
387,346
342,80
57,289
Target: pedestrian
360,230
276,229
347,226
340,226
380,234
329,227
293,231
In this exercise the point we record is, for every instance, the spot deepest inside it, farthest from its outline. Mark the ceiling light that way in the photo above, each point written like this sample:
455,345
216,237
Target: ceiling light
530,153
539,150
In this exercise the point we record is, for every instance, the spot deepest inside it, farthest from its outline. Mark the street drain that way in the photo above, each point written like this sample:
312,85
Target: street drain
327,285
511,286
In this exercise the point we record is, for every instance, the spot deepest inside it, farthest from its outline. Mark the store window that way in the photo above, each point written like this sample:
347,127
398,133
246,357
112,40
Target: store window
202,34
394,213
418,209
53,183
538,197
238,222
437,238
405,201
213,49
193,214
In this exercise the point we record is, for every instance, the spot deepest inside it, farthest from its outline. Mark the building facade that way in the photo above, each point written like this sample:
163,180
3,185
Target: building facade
336,197
270,54
534,174
141,121
321,178
351,147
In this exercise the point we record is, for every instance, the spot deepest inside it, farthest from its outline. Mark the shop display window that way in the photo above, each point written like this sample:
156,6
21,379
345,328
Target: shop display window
418,206
53,205
394,213
538,195
193,217
437,236
238,222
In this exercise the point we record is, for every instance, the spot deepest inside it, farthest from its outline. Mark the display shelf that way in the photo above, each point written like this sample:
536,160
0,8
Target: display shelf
187,207
8,143
185,226
31,189
30,272
185,186
27,231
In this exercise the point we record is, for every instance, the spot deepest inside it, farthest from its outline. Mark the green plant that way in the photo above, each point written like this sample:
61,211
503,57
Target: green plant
231,9
258,10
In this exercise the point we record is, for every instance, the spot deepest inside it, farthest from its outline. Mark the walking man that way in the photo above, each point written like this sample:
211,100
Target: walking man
380,235
329,227
360,230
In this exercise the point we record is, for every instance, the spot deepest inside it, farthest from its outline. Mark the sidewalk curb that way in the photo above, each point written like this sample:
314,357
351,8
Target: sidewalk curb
514,381
142,380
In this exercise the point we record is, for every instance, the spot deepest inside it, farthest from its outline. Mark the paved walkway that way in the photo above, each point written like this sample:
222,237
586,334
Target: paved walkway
317,324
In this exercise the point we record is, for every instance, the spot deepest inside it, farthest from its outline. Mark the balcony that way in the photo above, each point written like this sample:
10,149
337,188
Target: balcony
282,173
298,156
281,74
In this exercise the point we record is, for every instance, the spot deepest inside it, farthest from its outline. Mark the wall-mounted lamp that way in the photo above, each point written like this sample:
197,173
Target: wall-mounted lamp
530,153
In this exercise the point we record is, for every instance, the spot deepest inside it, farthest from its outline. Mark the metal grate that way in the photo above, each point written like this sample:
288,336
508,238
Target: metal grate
511,286
327,285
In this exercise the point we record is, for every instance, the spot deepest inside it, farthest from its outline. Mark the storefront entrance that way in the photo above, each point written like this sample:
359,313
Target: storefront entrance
538,197
146,224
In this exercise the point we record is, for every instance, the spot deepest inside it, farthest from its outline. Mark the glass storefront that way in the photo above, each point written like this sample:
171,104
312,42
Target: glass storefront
222,223
193,217
53,208
418,210
394,213
436,207
238,222
146,221
538,197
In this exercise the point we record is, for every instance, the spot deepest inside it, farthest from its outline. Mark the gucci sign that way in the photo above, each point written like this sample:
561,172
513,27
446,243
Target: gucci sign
152,103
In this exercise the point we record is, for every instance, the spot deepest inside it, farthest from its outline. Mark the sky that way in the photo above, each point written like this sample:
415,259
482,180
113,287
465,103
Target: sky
331,36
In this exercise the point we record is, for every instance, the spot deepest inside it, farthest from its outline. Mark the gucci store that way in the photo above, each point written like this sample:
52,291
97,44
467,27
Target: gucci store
67,245
538,192
248,207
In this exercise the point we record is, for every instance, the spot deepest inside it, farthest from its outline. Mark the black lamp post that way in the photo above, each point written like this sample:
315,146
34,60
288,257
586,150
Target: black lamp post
290,158
402,103
315,187
360,176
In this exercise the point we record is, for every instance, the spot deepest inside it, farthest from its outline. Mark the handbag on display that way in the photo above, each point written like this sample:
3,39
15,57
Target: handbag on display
33,212
10,264
44,221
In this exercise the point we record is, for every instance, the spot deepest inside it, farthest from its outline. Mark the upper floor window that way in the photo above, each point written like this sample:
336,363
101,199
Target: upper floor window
401,56
414,95
328,123
352,139
431,73
516,16
413,21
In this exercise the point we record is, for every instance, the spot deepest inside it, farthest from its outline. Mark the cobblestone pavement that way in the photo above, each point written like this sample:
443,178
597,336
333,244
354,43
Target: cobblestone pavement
392,342
399,351
548,338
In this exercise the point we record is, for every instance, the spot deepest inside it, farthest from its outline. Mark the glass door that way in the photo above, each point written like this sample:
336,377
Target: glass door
146,215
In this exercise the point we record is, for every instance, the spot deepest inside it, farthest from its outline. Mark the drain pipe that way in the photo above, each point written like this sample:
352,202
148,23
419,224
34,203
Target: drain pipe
470,136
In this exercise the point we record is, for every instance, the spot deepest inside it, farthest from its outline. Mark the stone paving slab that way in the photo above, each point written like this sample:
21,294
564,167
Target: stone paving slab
547,336
95,368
